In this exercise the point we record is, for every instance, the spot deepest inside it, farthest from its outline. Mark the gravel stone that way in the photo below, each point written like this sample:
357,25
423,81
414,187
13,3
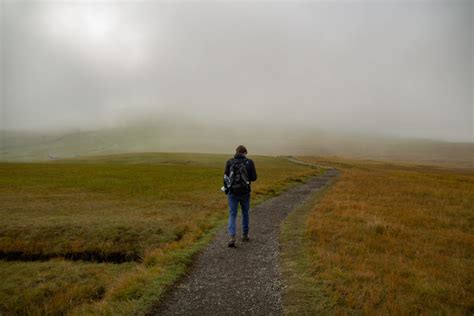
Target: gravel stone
245,280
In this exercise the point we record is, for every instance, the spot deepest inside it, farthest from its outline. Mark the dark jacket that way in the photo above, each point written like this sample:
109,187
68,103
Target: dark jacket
251,172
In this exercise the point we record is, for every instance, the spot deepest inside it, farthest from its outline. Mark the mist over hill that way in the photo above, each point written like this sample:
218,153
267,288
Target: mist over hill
381,80
174,134
269,75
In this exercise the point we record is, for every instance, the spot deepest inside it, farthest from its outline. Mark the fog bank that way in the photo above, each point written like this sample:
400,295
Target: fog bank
388,68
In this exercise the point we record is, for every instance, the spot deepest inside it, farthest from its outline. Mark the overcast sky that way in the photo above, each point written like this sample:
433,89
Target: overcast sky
401,68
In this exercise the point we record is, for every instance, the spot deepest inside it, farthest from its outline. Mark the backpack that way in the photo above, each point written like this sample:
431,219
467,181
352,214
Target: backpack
239,180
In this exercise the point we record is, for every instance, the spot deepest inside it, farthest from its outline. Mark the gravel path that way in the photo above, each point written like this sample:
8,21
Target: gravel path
244,280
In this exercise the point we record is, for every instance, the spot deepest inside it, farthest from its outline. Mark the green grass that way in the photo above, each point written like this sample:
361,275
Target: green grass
386,238
55,285
157,208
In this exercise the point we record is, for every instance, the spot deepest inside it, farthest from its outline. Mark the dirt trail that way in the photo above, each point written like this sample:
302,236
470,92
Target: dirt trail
243,280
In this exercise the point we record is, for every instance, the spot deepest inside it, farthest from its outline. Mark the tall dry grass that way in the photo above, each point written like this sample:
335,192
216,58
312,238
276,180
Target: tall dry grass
390,239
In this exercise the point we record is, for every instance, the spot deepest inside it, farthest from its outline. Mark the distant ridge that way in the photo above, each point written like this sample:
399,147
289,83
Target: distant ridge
192,137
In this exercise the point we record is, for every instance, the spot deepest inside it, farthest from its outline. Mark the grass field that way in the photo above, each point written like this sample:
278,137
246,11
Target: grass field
384,239
66,224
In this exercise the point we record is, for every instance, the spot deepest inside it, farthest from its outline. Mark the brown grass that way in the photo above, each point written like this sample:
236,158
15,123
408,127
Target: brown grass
388,238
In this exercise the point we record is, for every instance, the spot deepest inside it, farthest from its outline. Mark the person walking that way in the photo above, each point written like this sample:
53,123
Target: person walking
239,173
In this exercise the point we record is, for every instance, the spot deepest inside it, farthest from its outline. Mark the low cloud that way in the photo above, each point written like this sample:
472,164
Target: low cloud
395,68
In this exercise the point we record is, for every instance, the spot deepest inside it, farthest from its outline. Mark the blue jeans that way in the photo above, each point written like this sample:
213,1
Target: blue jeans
234,201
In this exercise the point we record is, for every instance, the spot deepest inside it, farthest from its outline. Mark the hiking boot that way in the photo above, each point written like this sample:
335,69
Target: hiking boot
231,242
245,238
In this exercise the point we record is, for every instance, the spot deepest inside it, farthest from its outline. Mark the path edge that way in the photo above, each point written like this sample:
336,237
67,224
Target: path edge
298,292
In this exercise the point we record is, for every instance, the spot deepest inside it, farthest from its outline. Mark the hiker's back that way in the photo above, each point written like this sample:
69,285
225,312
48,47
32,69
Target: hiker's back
241,172
238,175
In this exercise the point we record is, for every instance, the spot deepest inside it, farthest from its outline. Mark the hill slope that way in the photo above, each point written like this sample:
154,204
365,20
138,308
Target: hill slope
186,136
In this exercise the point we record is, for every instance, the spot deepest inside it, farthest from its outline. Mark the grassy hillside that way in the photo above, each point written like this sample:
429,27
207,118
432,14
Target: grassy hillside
178,135
65,225
385,238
